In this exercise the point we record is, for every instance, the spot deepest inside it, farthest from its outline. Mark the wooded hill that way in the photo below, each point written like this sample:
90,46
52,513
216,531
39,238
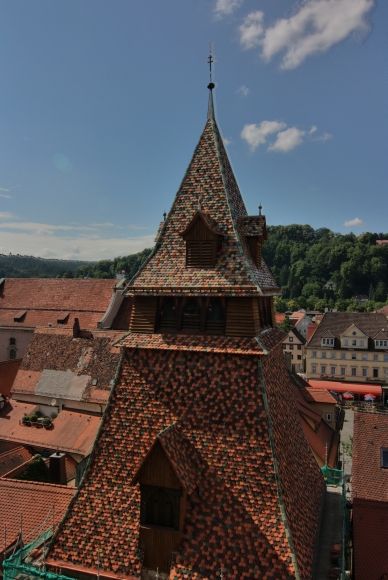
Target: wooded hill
316,269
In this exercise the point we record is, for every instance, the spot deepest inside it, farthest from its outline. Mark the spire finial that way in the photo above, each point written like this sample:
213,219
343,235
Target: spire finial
164,215
211,85
260,208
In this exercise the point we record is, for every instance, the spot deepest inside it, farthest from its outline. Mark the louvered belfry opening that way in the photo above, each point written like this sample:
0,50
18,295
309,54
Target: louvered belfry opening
168,316
215,319
200,254
191,322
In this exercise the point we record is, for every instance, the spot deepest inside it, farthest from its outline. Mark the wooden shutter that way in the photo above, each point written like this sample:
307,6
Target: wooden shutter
242,318
200,254
143,315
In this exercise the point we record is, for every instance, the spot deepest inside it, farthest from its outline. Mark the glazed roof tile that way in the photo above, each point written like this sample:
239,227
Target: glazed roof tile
369,478
208,407
211,178
33,501
252,225
12,459
46,300
71,431
58,365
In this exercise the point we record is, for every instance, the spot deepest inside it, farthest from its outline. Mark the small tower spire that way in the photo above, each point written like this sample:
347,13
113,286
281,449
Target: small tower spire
211,85
260,208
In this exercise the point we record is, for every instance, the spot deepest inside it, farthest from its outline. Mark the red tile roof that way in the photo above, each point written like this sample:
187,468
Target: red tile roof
71,431
209,176
12,459
325,441
343,387
210,408
370,533
318,396
370,435
46,300
8,371
33,501
279,317
58,365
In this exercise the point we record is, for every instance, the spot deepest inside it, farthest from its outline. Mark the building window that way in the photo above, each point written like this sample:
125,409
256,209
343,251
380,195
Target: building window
323,369
191,317
353,371
323,355
328,417
200,254
12,341
354,356
354,342
314,369
386,358
343,355
375,373
299,357
386,373
167,320
328,341
314,354
299,347
346,342
375,357
364,372
12,353
284,346
332,370
290,339
291,346
343,371
354,333
381,343
362,342
160,507
384,458
364,357
333,355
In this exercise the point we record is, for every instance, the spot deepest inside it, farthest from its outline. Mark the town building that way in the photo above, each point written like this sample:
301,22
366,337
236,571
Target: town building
349,347
301,322
370,495
201,462
26,303
293,345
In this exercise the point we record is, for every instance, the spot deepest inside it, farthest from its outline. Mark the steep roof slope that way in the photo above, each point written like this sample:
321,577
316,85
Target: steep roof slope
252,480
45,300
209,185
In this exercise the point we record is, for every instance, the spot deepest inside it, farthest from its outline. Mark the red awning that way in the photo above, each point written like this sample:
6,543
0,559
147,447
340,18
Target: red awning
355,388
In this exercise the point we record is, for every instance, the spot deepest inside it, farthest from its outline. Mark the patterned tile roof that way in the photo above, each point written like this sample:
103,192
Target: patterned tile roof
252,225
72,432
12,459
45,300
369,479
209,407
33,501
209,178
58,365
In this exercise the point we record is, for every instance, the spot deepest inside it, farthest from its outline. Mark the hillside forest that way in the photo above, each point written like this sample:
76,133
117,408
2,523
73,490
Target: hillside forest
316,269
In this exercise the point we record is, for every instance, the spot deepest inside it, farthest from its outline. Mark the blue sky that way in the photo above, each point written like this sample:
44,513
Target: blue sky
102,104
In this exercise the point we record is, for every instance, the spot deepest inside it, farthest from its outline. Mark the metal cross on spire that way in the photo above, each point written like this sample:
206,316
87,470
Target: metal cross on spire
210,60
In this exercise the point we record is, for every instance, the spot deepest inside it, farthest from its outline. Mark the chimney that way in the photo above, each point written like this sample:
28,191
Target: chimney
76,328
57,468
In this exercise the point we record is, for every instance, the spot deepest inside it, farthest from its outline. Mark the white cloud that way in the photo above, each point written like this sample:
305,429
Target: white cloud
323,137
68,247
244,91
6,196
105,225
37,227
287,140
313,129
226,141
4,189
256,135
356,222
252,29
225,7
5,215
314,28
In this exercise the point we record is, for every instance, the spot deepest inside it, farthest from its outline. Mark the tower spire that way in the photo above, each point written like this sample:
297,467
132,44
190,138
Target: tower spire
211,85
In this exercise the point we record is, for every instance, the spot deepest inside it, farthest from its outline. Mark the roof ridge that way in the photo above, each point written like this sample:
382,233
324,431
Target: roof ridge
24,483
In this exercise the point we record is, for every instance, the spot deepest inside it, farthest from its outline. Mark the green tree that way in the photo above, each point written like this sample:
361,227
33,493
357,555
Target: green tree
286,325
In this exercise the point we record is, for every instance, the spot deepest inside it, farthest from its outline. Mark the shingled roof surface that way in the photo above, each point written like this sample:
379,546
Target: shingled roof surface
210,178
210,406
338,322
12,459
45,300
369,479
58,365
34,502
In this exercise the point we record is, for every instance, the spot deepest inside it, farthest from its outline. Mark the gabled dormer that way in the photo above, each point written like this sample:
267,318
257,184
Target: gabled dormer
254,230
202,241
381,340
328,339
354,337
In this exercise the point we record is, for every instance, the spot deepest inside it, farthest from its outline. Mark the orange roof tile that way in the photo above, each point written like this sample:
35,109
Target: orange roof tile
318,396
32,501
71,431
12,459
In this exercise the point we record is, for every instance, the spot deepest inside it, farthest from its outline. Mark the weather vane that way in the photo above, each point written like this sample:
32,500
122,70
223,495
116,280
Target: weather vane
210,60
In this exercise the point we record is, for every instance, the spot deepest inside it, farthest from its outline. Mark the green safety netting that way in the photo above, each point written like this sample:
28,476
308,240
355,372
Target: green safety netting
332,476
16,566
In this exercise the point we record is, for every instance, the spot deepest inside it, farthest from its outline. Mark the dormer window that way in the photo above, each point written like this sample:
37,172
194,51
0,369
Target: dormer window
384,458
327,341
202,241
381,343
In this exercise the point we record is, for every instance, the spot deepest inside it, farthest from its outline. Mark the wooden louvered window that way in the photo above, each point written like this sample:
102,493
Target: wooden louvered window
191,317
215,318
200,253
160,507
